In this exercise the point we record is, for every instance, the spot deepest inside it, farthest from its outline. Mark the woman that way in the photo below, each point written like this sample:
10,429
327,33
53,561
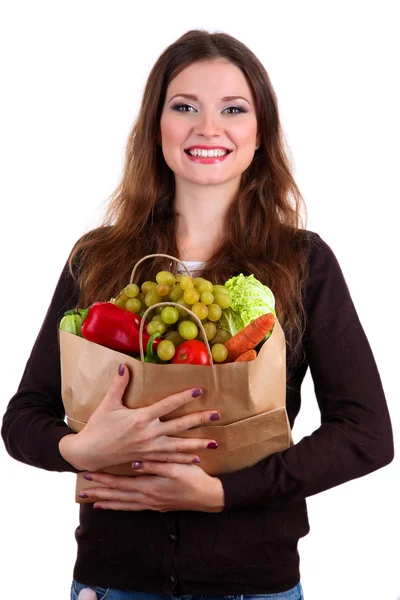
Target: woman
238,211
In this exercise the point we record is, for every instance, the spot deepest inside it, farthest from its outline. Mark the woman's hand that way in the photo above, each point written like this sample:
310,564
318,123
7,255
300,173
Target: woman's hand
163,487
115,434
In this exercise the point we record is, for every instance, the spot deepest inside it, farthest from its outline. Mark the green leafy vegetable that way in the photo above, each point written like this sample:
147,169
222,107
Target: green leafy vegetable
250,299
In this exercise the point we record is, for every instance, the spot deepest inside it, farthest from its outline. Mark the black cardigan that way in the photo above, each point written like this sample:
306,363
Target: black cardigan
251,546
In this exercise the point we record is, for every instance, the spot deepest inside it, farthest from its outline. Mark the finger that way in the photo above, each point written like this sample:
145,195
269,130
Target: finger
101,493
161,469
167,405
172,457
180,424
109,505
186,445
115,392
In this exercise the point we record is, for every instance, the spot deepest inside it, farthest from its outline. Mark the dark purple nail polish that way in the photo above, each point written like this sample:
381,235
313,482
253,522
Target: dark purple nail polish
121,370
137,464
212,445
196,393
215,417
83,496
97,507
87,477
196,460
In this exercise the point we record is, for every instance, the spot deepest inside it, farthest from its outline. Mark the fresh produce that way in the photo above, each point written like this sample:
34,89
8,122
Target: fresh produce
251,335
249,300
191,352
247,356
114,327
236,317
72,320
149,356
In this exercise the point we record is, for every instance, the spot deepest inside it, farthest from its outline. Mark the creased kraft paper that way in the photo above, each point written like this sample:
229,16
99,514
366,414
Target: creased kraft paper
250,396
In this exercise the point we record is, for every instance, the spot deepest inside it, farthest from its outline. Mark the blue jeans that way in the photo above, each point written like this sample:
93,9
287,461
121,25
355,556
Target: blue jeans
295,593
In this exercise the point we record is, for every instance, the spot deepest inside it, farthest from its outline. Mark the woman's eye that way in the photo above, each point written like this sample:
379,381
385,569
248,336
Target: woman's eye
235,108
179,106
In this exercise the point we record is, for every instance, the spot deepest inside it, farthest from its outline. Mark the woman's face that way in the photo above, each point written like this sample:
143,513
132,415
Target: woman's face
209,118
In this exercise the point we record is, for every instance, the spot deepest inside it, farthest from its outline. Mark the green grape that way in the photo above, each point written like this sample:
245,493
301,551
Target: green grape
221,336
120,300
165,350
152,298
207,298
154,326
186,282
169,315
191,296
223,300
147,286
200,310
214,312
176,293
157,317
157,311
204,285
210,330
183,314
188,330
179,277
220,289
198,281
175,337
163,289
219,352
165,277
133,305
131,290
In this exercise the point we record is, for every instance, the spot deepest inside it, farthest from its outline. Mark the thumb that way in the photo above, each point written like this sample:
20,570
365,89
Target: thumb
87,594
114,394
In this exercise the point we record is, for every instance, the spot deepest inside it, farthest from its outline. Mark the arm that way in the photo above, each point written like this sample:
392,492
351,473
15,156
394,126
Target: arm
33,423
355,436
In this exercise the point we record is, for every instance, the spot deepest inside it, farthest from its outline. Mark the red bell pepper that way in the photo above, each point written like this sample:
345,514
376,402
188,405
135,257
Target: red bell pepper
114,327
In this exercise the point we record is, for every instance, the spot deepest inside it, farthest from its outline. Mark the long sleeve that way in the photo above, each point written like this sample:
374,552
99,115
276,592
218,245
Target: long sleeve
355,436
33,423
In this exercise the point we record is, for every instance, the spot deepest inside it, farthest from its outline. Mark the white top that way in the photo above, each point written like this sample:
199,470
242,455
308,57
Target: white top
193,265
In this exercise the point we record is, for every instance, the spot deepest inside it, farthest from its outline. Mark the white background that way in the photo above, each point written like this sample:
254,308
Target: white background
72,78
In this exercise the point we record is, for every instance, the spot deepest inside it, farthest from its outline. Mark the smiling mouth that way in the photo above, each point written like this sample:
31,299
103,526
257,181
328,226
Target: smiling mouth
204,153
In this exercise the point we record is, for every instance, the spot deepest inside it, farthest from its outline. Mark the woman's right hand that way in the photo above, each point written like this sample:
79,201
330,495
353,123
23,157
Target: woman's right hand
115,434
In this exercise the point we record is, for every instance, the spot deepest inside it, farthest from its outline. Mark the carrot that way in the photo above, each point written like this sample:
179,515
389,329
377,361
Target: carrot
247,356
248,337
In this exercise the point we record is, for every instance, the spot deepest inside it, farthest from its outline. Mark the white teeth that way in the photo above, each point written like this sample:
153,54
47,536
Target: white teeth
207,153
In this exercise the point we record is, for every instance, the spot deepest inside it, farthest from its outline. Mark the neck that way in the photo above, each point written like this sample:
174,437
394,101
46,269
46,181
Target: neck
200,213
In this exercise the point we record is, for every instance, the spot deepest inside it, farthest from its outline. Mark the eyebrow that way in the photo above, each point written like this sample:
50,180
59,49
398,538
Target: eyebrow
195,98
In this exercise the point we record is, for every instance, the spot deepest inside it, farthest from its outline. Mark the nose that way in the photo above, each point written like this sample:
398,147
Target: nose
208,125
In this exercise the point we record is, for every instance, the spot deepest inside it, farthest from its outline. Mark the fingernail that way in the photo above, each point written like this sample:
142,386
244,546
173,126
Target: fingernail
196,393
196,460
137,465
212,445
121,370
215,417
83,496
97,507
87,477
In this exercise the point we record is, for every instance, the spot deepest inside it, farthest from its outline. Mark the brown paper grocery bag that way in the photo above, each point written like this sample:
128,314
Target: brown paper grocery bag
250,396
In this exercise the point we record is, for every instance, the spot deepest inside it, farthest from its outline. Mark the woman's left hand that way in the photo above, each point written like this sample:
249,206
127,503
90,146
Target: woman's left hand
162,487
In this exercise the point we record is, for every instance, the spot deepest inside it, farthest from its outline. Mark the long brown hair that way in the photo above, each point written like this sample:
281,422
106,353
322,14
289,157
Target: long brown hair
265,234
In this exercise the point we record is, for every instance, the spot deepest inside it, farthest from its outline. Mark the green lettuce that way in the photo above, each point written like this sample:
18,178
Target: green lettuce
250,299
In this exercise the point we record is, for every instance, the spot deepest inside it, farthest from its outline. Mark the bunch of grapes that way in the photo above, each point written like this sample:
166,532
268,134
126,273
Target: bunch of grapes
202,297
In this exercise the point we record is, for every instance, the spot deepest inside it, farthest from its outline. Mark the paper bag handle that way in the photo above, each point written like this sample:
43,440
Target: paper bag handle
152,256
142,322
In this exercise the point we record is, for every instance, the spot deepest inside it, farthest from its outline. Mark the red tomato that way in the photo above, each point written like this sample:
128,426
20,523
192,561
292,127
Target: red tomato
191,352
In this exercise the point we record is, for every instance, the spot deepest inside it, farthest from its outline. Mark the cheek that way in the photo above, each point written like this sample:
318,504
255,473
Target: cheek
171,133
